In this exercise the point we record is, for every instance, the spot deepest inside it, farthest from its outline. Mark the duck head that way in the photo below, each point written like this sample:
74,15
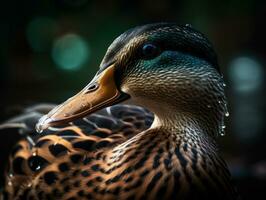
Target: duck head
170,69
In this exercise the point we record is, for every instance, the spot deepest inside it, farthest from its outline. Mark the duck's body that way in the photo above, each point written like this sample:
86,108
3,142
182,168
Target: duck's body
125,151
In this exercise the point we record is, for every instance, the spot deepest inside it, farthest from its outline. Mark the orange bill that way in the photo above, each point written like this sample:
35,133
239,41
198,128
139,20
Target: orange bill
100,93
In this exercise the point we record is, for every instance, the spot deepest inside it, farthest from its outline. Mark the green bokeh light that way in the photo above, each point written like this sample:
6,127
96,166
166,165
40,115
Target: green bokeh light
70,52
40,33
246,74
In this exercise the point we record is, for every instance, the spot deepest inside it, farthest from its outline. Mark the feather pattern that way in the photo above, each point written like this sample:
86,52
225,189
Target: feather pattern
126,151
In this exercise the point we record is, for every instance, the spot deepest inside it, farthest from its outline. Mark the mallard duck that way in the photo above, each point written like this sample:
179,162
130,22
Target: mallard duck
159,143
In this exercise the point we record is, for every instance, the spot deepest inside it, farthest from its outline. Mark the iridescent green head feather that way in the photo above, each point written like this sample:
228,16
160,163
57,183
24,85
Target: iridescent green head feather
170,69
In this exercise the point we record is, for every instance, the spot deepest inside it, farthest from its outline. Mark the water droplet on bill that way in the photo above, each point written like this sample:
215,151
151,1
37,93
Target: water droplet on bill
43,123
39,128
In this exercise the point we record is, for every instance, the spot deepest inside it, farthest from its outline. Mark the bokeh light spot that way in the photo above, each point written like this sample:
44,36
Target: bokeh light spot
246,74
70,52
40,33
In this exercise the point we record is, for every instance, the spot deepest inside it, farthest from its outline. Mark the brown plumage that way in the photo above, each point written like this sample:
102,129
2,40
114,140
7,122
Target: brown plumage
126,151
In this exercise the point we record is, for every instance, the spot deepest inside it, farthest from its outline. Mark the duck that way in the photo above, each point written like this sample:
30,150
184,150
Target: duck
145,127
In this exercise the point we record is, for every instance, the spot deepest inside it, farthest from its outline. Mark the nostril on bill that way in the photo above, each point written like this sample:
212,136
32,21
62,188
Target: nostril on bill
92,87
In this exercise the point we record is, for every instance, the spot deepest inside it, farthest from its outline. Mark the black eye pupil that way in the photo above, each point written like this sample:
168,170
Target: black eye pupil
149,51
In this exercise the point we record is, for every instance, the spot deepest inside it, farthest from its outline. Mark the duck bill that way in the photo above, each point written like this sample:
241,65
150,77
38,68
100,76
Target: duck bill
99,93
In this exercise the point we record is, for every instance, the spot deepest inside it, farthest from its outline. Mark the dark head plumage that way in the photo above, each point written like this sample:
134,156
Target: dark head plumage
168,36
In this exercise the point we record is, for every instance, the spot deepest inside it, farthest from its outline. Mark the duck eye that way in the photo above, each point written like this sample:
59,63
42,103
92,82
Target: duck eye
150,51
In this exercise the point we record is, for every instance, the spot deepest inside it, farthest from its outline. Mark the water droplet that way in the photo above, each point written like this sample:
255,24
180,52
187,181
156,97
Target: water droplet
222,132
39,128
10,175
43,123
227,114
34,153
219,102
224,84
209,106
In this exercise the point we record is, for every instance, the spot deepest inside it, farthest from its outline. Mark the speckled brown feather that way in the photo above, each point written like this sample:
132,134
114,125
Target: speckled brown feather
82,138
110,164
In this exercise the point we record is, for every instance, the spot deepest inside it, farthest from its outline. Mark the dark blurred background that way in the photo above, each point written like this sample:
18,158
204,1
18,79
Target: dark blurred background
51,48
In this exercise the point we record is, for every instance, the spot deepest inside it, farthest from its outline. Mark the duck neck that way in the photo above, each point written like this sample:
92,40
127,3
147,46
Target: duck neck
186,129
181,123
188,135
